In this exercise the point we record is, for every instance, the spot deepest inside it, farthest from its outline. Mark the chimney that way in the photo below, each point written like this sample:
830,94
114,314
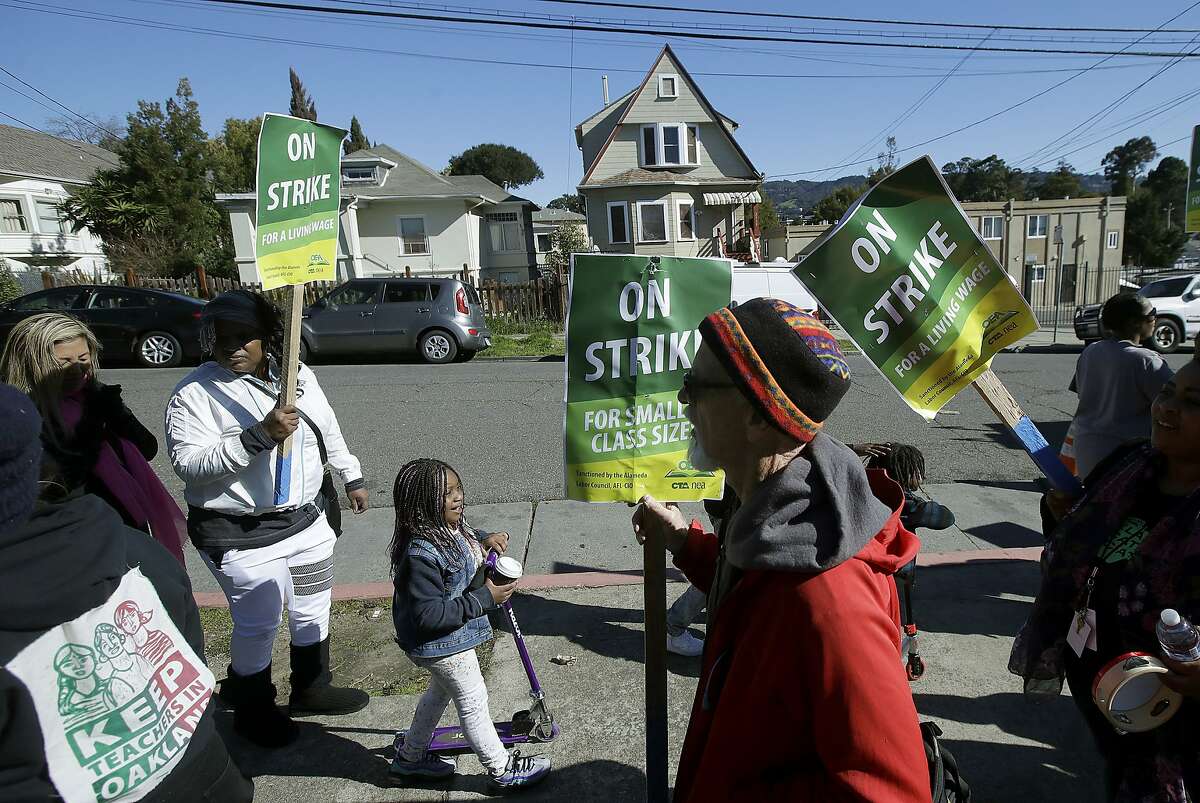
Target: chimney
604,82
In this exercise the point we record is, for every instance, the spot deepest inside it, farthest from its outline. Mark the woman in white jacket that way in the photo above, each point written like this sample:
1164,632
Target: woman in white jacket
263,530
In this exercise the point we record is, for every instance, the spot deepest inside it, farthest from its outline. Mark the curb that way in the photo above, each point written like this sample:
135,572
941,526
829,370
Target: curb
549,582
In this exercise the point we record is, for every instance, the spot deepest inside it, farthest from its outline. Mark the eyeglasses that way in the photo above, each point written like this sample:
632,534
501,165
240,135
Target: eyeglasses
691,385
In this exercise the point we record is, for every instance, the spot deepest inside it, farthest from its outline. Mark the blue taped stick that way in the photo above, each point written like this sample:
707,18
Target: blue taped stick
1045,457
283,479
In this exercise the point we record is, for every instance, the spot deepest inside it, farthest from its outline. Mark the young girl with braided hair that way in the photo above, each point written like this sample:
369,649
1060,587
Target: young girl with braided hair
439,609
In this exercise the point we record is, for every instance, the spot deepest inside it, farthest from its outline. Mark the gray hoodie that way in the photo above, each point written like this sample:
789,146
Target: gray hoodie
812,515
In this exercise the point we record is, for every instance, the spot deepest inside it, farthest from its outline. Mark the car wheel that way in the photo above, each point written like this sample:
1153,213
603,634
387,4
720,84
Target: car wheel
466,356
1166,336
438,346
304,353
158,350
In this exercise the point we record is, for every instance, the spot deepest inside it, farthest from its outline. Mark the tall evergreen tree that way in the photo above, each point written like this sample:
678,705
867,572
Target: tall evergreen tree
302,105
358,140
161,188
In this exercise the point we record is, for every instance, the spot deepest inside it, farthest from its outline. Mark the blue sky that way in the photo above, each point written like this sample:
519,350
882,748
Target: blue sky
432,108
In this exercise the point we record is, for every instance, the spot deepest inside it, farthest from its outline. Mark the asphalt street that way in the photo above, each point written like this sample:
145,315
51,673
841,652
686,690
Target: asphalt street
500,422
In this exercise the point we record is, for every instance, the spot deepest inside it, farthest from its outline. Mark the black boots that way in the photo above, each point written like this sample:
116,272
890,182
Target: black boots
255,715
312,689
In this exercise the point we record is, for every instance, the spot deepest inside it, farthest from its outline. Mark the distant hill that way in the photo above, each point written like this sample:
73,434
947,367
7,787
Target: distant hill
790,197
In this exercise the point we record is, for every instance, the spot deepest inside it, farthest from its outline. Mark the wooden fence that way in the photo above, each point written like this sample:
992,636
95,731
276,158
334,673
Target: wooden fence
541,299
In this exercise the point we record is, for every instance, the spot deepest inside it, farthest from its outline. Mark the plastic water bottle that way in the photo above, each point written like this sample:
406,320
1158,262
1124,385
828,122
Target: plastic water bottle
1180,641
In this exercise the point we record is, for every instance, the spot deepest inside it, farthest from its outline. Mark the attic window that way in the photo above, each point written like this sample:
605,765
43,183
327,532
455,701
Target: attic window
669,145
668,86
358,175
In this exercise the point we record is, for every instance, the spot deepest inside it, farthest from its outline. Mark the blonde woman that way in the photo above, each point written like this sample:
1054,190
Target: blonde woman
97,444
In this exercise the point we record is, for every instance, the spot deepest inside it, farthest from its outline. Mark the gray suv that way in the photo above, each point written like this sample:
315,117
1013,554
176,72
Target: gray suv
439,319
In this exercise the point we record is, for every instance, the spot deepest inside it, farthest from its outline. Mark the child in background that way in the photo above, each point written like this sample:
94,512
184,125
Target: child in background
439,612
906,465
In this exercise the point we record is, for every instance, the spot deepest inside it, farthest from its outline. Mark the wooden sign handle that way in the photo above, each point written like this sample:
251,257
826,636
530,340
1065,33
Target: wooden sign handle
996,396
655,589
287,396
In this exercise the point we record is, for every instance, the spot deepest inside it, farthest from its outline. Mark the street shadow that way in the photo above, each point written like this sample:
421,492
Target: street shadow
559,567
1008,535
598,629
318,753
1064,764
975,598
1037,485
601,781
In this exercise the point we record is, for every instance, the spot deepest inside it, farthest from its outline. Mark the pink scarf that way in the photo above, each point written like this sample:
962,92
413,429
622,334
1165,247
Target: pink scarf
131,481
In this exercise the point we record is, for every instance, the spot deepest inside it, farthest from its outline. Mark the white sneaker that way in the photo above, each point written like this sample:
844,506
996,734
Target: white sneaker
685,644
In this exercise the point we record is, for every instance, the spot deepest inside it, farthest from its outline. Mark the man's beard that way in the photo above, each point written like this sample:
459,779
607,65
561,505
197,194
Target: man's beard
700,459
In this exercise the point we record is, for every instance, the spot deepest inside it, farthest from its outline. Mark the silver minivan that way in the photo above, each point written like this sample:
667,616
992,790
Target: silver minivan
439,319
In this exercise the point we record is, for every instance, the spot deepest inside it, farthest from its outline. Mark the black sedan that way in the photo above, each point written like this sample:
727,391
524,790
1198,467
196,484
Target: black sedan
158,329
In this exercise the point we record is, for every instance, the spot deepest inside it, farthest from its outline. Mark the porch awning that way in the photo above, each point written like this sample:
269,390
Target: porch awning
731,198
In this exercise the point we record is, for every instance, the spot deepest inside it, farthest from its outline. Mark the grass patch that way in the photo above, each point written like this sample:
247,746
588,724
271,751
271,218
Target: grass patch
362,649
847,346
539,344
502,325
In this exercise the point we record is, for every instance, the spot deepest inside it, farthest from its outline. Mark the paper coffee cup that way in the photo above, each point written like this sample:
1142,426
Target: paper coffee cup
506,570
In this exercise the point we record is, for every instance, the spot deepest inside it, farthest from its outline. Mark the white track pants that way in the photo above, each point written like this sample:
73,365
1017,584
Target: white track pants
297,571
456,677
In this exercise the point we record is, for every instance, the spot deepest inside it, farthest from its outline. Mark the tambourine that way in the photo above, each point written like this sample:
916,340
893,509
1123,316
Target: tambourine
1130,693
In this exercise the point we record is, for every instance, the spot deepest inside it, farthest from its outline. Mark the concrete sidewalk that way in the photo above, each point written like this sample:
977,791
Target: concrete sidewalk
564,537
1008,748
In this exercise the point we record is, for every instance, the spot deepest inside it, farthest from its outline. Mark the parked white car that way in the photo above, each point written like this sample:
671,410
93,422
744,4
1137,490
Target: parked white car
1177,300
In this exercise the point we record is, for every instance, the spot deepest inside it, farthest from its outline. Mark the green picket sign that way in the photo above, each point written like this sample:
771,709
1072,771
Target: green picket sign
1192,220
909,280
631,335
299,194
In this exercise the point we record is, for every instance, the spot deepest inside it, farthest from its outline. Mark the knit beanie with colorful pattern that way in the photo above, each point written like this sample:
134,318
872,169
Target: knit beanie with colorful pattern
783,360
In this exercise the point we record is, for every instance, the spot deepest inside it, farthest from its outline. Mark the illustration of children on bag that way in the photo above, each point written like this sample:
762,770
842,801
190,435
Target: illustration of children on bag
80,690
126,674
152,645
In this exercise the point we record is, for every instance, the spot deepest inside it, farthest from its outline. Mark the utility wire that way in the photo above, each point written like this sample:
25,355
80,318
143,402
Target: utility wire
221,33
1085,125
865,20
992,116
59,103
723,37
913,107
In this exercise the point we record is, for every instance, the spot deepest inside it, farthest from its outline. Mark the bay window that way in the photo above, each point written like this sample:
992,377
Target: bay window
669,145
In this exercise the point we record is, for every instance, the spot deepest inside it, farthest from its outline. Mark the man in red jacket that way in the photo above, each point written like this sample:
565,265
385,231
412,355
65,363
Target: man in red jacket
802,695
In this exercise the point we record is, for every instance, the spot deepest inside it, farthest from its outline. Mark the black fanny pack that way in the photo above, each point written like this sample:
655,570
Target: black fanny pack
213,531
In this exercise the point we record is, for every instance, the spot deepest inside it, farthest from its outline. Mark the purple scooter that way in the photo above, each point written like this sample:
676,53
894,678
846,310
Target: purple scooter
535,724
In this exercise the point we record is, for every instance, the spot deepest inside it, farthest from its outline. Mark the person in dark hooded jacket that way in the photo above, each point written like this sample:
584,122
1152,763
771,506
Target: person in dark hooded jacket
85,714
804,629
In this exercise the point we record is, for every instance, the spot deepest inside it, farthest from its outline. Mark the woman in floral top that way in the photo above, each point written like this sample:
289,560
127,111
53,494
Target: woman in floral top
1136,534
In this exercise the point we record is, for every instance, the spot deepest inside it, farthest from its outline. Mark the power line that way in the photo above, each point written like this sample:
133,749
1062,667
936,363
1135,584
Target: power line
221,33
865,20
58,102
837,31
913,107
1089,122
724,37
994,115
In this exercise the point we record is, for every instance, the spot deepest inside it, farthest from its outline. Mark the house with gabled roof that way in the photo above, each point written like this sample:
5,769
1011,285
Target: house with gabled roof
400,217
37,173
663,173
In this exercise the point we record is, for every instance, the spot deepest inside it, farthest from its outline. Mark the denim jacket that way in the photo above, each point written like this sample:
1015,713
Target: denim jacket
435,610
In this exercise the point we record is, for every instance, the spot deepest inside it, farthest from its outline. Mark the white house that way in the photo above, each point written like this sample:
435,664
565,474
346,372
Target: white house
399,216
545,221
37,172
663,173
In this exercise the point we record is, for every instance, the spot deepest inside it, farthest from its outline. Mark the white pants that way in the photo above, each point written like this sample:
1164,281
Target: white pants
456,677
258,582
